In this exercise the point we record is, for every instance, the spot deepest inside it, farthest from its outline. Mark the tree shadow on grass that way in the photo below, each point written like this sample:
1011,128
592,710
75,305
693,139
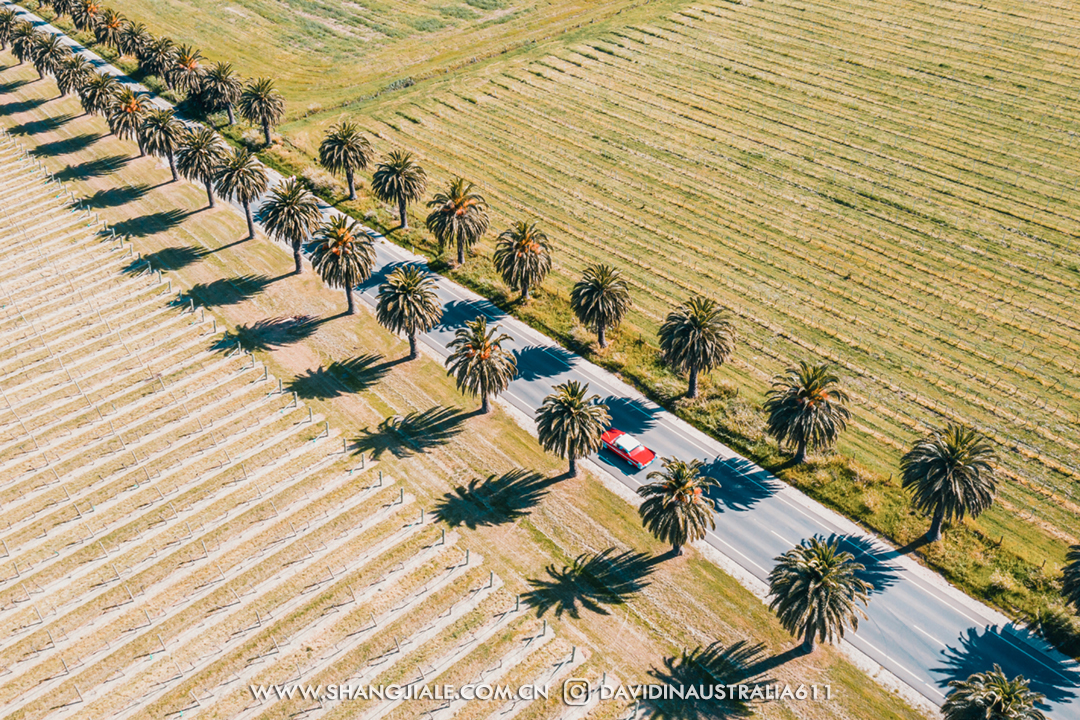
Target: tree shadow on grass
33,127
404,436
12,85
338,378
170,258
705,668
97,167
117,196
72,144
150,224
591,582
498,499
20,106
229,291
270,333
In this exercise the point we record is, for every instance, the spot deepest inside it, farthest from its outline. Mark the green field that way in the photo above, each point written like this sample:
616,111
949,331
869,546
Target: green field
890,186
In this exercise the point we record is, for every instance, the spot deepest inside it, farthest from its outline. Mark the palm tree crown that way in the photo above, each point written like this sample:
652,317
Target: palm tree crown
126,115
158,58
344,256
345,150
97,92
160,134
816,590
290,214
806,408
85,13
697,337
458,217
479,363
73,73
1070,580
134,39
109,28
186,72
570,424
399,180
992,696
9,20
49,54
950,474
24,39
199,155
522,257
408,303
677,508
243,178
261,104
222,88
600,299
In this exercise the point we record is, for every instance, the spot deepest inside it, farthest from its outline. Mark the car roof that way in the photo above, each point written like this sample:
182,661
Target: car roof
627,443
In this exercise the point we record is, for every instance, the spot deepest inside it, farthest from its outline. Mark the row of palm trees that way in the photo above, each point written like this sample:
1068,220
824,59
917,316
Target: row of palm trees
216,86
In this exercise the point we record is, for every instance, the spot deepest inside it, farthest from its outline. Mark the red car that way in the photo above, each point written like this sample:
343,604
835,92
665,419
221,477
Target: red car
626,447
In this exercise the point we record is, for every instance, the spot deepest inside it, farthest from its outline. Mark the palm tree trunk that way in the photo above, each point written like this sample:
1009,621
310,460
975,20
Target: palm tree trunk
692,392
266,133
934,533
800,452
573,465
172,164
600,337
297,258
412,346
250,222
808,638
485,404
232,114
525,292
676,549
352,183
401,211
210,193
349,297
461,252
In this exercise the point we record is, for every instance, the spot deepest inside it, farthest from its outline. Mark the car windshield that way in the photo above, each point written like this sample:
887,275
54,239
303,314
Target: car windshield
627,444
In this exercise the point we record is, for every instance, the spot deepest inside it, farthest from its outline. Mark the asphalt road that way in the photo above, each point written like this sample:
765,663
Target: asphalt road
923,631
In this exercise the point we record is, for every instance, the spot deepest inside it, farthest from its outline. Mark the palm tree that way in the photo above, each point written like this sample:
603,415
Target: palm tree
49,53
408,304
98,92
199,155
109,28
806,408
8,22
290,214
459,217
126,116
677,508
344,256
600,299
570,424
345,150
697,337
222,88
261,104
134,39
73,73
242,177
992,696
24,38
399,180
522,257
186,72
64,7
950,474
158,58
160,134
1070,580
479,363
85,14
816,590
